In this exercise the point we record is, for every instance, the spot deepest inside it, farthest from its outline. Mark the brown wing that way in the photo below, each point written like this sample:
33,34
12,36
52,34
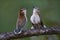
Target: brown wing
21,21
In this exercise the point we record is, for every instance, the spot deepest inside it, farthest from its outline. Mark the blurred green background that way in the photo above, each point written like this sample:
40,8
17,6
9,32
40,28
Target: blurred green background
50,12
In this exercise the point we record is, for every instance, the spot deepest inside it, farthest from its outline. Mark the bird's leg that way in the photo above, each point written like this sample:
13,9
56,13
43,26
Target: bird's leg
36,26
33,27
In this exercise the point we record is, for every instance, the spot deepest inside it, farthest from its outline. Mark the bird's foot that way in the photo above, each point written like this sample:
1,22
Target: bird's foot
17,31
32,27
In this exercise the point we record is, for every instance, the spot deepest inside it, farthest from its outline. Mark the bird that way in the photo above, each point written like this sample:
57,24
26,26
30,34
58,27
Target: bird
21,21
36,19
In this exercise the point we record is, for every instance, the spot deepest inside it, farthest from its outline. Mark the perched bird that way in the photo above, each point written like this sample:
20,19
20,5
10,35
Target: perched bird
21,21
36,19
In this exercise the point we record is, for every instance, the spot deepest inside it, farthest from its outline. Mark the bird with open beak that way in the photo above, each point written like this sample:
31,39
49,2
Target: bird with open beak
36,19
21,21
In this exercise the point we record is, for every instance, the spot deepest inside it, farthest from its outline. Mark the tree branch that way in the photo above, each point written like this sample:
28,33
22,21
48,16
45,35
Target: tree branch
29,33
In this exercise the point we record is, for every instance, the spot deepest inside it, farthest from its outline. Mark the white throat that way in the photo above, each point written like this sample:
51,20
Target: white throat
35,12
